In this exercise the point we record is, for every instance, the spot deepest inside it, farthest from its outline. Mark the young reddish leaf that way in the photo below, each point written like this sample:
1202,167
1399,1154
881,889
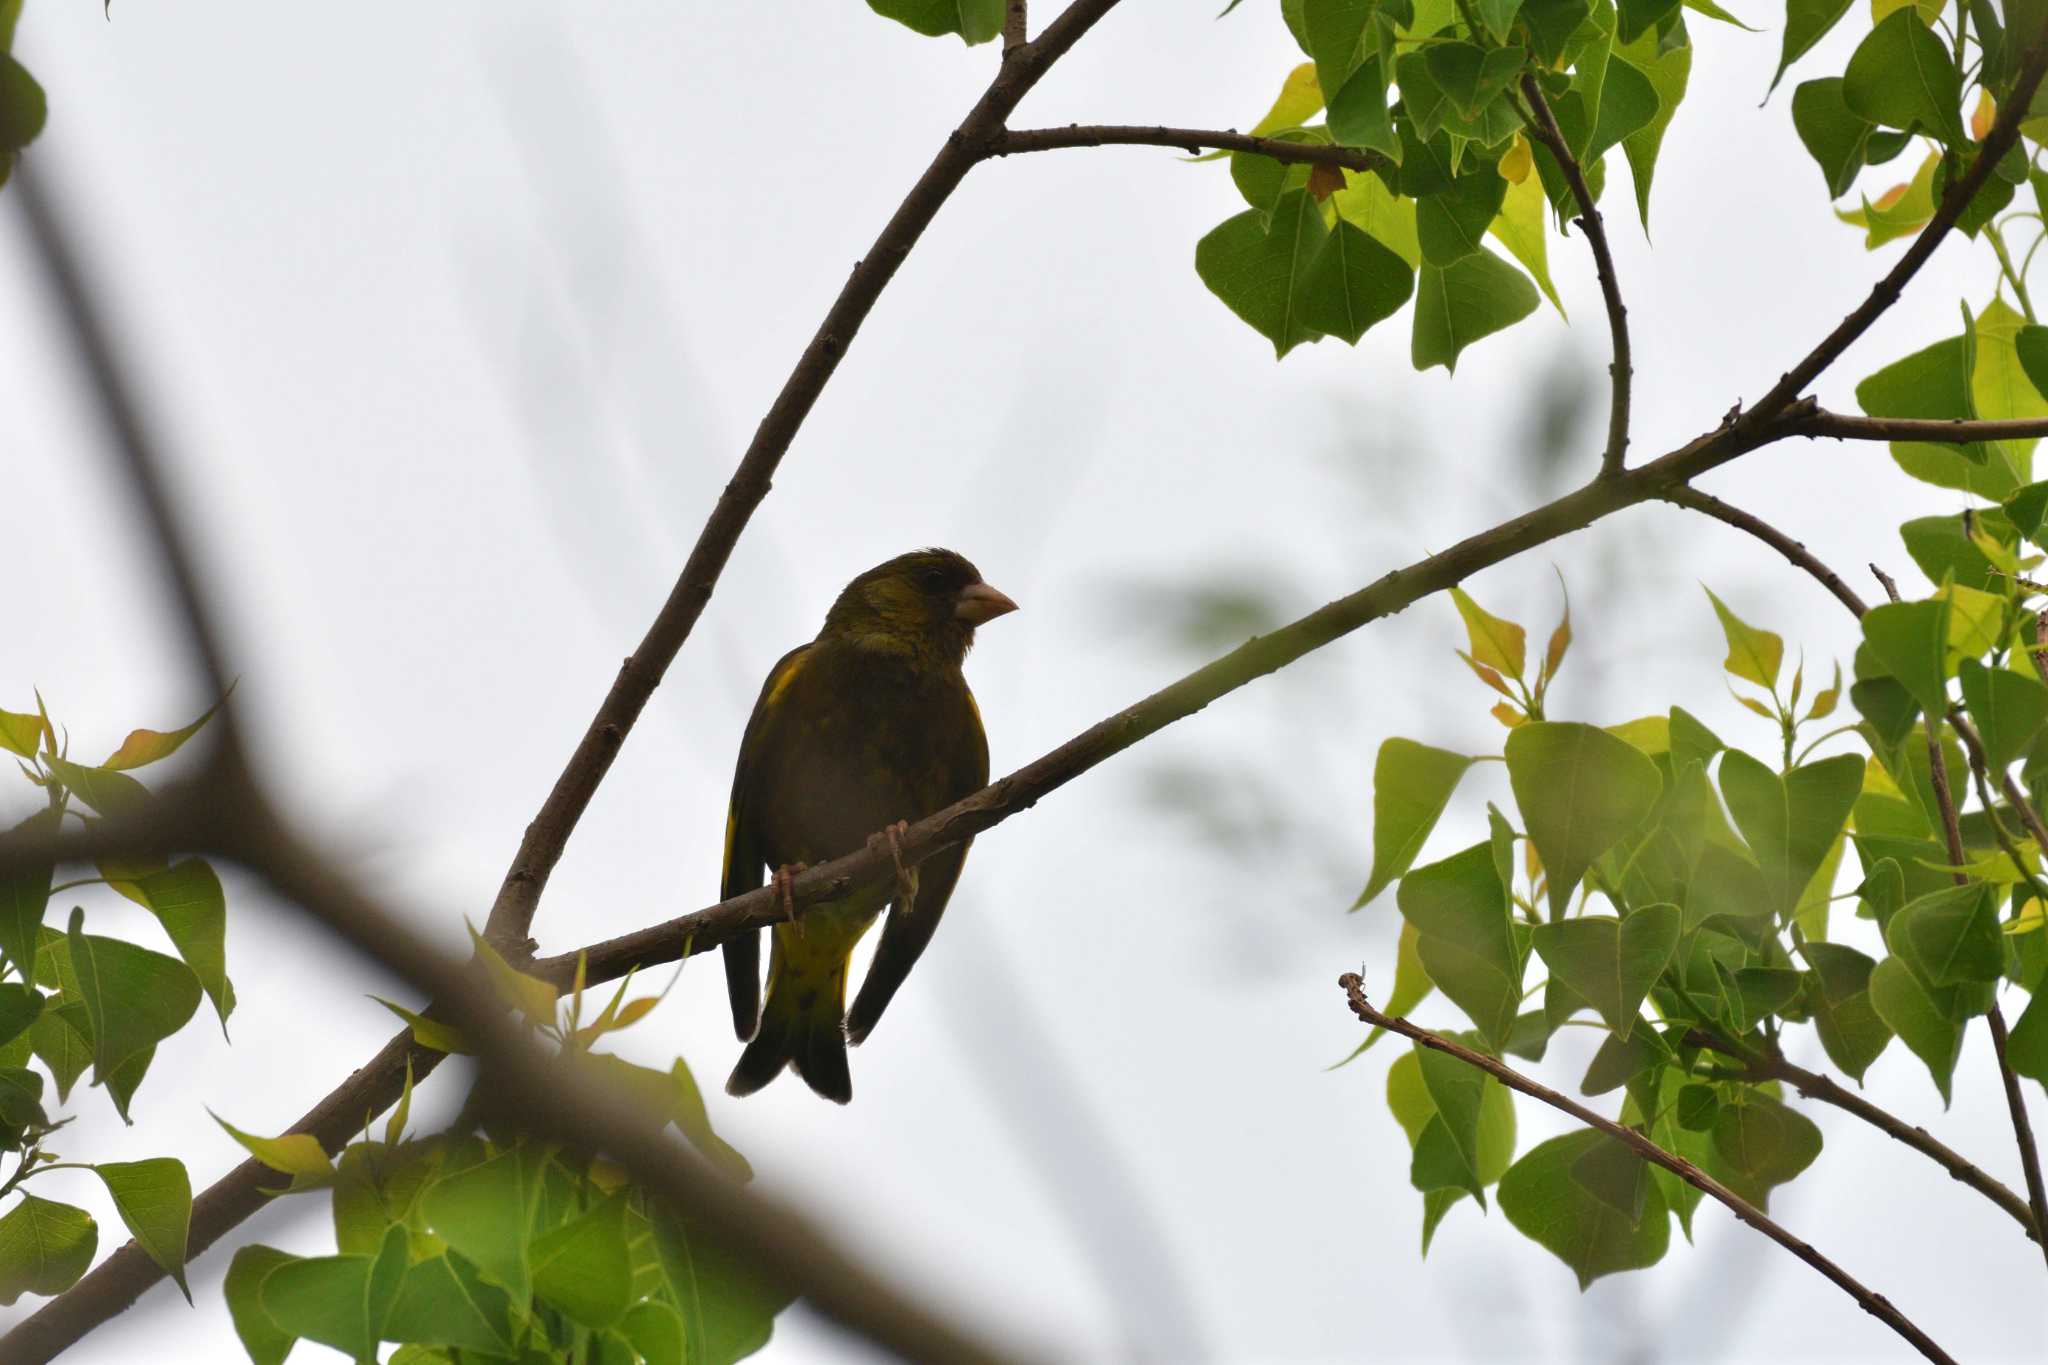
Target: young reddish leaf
1754,655
1508,714
147,746
1560,641
1825,701
1486,675
1496,643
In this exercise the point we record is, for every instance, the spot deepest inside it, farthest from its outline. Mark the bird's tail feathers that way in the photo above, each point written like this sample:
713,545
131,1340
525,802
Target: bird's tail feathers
800,1027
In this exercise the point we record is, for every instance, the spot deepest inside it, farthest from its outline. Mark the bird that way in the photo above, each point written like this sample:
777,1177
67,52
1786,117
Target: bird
868,726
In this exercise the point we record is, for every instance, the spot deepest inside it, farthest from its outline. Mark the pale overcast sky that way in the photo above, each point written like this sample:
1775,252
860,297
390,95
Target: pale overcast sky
456,318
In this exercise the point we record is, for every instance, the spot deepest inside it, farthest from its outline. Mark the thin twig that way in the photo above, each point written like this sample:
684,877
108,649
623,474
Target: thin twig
1544,125
1819,422
1814,1085
541,848
1189,140
1793,550
1016,26
1872,1303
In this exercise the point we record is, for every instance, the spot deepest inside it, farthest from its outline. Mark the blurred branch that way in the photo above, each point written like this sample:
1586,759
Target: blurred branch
541,848
1622,370
1874,1304
1016,26
538,1092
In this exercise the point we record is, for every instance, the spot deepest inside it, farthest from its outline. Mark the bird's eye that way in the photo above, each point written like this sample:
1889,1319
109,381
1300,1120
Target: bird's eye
933,577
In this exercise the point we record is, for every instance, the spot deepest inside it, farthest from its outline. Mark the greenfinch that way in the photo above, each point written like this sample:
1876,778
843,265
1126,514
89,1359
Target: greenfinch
866,727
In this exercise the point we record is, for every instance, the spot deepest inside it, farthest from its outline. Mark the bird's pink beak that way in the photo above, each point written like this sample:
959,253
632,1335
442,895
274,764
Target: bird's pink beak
978,603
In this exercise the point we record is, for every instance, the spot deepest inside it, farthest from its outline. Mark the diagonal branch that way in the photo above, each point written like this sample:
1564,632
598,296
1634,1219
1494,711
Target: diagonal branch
1621,371
1874,1304
1756,526
541,848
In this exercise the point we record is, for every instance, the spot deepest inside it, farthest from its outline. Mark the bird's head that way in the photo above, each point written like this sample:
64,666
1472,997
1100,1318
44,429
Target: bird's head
923,605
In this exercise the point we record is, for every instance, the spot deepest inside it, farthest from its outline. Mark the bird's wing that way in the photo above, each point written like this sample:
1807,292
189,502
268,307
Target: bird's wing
745,860
905,935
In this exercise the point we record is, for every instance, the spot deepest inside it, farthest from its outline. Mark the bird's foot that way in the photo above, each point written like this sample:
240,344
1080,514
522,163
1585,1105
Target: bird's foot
785,877
906,877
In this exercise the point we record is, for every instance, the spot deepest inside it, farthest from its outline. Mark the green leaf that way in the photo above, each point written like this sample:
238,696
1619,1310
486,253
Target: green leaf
1351,283
20,1006
2026,1050
1765,1144
1667,72
295,1154
733,1308
1452,225
1950,936
325,1299
1790,823
1257,272
1262,180
582,1267
377,1185
2009,709
1843,1015
1911,640
61,1047
1299,98
154,1198
1612,1173
1358,111
1909,1011
263,1339
24,895
20,733
1499,644
1620,1060
1580,790
44,1248
1611,962
1835,136
1461,303
187,900
483,1212
1464,938
147,746
1412,784
23,109
1943,547
1901,75
427,1031
106,791
1476,1110
133,997
1806,23
1373,209
1521,228
443,1301
655,1331
1753,655
976,21
694,1121
1545,1204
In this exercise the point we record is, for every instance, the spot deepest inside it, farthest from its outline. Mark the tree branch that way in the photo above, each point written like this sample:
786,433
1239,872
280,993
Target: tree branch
1874,1304
1621,371
1189,140
1817,422
2005,131
1016,26
1756,526
541,848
